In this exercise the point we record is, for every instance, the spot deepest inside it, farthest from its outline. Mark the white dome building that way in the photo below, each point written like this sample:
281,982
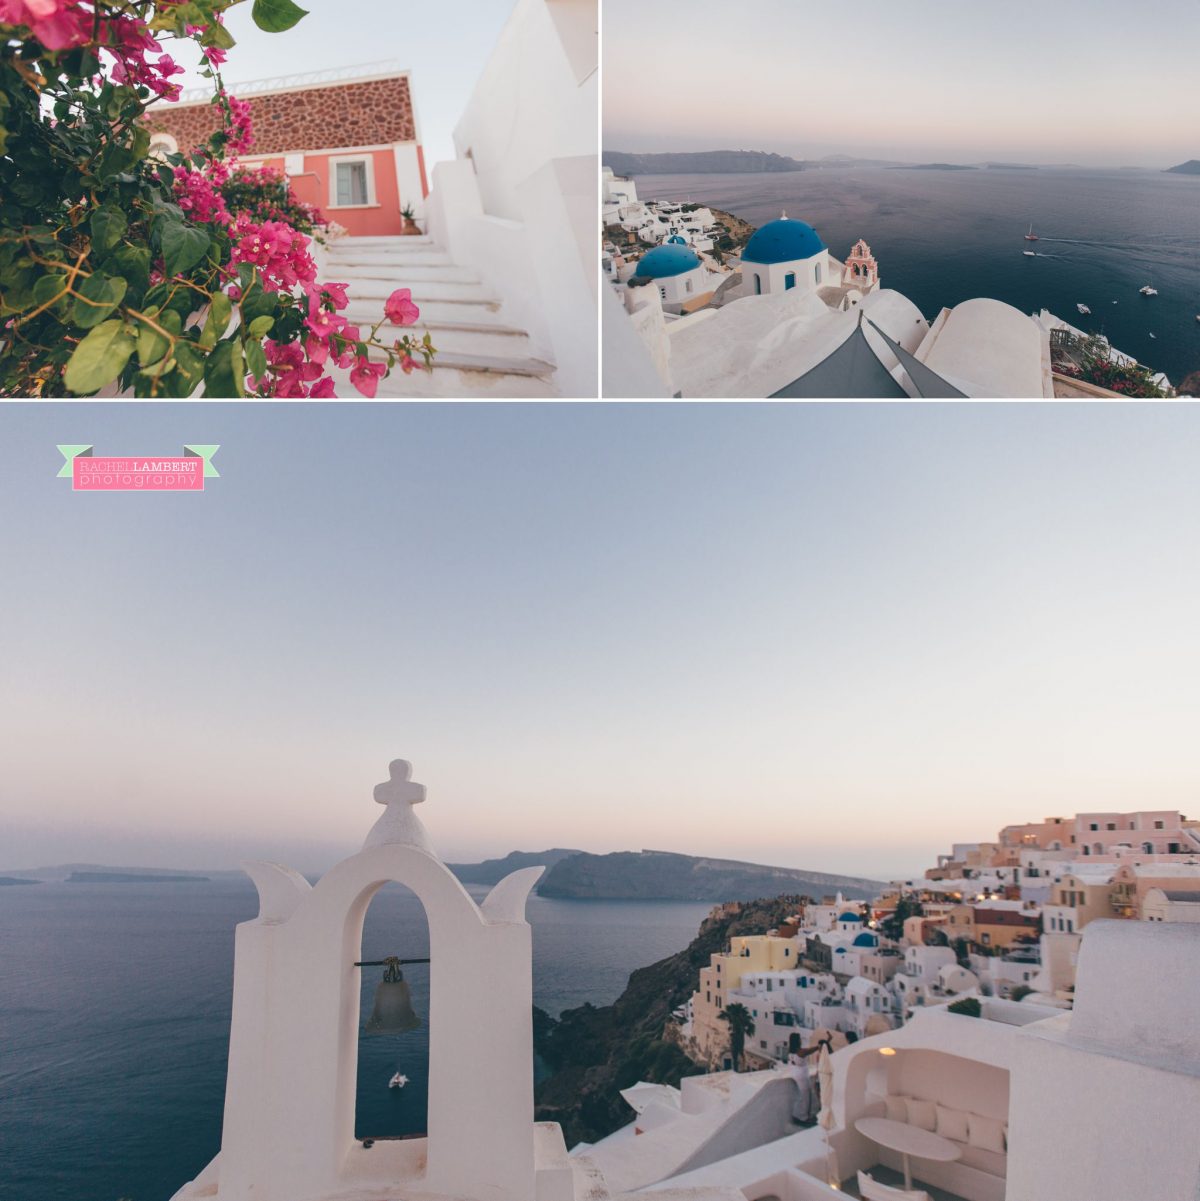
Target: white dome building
783,255
675,269
990,349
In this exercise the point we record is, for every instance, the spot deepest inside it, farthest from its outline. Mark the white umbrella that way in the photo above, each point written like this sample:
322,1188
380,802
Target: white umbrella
825,1121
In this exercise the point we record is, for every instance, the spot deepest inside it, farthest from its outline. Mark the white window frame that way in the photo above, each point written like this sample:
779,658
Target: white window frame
368,160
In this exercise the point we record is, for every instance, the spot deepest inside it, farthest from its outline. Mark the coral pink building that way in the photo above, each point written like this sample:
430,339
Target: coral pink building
349,146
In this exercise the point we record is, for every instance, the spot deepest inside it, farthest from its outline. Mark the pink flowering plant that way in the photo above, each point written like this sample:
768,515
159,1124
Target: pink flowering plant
152,275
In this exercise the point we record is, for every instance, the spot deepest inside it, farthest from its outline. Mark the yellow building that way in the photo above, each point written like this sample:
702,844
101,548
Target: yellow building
749,954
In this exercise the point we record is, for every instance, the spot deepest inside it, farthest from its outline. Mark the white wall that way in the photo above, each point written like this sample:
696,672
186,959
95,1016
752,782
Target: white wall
528,140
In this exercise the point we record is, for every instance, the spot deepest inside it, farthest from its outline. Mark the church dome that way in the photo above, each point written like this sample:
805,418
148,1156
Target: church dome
676,240
866,940
665,261
783,241
849,917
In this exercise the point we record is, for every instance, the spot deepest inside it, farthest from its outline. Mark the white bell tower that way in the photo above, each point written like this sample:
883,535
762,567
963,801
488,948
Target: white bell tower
288,1132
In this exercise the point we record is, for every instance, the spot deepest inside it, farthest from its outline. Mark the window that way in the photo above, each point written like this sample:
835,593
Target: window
687,285
1112,825
1159,826
817,274
352,182
757,284
789,281
1093,826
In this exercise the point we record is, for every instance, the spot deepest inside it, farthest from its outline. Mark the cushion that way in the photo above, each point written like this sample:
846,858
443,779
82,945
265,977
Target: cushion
871,1190
987,1133
896,1109
952,1123
921,1113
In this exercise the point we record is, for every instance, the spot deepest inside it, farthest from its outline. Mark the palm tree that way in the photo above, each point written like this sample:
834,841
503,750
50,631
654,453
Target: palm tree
740,1025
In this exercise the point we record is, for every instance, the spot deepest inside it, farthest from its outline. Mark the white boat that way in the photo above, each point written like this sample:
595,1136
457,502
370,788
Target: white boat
1029,254
1083,308
1148,290
1031,236
1154,336
398,1081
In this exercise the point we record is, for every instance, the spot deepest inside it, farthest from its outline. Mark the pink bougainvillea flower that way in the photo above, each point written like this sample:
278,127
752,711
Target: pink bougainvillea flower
323,389
318,350
323,324
336,294
399,307
366,376
57,24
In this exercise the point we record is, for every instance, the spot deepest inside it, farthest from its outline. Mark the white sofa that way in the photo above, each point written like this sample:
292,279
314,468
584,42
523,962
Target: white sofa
979,1172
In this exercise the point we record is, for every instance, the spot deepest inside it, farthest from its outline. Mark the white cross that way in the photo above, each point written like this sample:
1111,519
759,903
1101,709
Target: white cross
400,787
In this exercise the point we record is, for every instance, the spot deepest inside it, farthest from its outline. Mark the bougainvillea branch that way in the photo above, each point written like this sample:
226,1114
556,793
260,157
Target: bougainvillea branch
157,275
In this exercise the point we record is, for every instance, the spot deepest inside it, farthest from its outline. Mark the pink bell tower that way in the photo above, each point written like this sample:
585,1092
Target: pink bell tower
862,271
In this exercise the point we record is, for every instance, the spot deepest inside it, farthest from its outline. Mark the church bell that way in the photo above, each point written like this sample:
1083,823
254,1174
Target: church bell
393,1012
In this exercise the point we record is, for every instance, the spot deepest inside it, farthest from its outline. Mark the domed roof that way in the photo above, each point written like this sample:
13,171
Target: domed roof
849,917
665,261
676,240
783,241
866,940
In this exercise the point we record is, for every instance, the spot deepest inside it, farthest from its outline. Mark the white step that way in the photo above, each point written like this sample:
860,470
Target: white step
392,260
434,313
501,343
374,288
450,380
380,240
406,274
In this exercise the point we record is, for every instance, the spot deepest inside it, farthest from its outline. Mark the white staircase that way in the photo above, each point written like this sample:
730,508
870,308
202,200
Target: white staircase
479,353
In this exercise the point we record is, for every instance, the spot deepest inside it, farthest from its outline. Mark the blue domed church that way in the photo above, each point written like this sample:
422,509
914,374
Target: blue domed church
675,269
786,254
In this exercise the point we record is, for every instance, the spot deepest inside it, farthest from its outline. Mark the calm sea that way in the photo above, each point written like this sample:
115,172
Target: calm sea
114,1021
942,237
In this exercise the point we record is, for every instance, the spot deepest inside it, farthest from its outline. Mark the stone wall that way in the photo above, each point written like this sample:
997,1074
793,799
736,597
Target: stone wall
366,113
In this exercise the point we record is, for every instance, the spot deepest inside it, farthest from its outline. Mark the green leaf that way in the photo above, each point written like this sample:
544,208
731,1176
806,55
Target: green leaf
189,370
151,345
96,298
99,358
256,360
220,312
224,372
183,246
274,16
47,288
217,35
261,325
133,264
108,227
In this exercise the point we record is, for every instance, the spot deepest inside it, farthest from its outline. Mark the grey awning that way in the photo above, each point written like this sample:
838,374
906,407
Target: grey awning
927,382
853,371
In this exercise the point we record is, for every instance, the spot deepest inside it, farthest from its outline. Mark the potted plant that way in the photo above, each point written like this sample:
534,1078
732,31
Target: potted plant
410,225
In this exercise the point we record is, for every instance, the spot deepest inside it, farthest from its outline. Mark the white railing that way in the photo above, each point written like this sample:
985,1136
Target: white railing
305,79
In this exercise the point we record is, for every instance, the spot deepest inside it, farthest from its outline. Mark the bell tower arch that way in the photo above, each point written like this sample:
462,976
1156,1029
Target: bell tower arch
288,1132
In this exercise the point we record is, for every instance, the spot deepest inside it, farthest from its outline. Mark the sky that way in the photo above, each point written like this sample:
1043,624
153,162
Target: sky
1089,82
444,45
836,637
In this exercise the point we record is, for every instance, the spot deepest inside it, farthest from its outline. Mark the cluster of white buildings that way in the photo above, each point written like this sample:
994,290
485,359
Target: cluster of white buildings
1002,919
789,320
830,973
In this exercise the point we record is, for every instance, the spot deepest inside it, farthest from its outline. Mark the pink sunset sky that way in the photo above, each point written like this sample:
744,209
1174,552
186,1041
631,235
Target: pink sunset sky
1089,82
